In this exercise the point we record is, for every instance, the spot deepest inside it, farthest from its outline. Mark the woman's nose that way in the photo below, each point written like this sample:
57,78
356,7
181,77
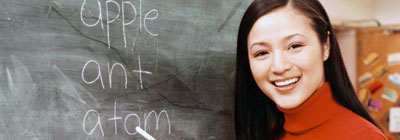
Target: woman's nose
280,64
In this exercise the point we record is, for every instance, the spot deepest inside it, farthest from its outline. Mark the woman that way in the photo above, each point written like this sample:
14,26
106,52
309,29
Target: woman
291,82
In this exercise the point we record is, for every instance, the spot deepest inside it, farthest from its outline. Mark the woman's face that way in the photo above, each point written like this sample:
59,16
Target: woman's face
286,57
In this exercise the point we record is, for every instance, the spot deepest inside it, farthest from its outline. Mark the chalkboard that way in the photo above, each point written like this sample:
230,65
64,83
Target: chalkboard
97,69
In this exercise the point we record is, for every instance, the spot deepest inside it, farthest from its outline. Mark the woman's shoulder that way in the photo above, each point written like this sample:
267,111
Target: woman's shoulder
356,127
368,134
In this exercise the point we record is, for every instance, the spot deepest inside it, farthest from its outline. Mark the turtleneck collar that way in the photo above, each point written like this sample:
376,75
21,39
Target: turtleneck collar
319,108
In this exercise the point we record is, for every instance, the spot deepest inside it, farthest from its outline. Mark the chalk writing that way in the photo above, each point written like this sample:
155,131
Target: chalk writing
108,20
110,72
98,74
98,123
157,119
140,71
100,17
122,8
148,16
123,19
115,118
126,118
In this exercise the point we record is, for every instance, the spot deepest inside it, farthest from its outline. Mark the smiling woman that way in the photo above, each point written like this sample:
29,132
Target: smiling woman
288,64
290,78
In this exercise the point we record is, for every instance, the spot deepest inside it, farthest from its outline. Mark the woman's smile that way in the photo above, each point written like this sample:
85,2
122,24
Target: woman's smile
286,85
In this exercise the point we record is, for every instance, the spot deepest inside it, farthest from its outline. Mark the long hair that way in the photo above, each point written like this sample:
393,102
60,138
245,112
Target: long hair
256,116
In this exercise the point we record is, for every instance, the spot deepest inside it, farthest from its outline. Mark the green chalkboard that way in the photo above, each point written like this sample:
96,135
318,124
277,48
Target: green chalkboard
97,69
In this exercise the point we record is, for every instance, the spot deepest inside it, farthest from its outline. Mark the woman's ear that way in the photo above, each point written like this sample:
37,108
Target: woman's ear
326,48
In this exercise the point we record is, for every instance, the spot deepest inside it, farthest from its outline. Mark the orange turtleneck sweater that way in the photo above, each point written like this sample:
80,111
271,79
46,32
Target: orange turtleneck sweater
321,117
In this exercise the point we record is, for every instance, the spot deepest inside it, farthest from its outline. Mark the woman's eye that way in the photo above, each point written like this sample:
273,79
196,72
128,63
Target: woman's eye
261,53
294,46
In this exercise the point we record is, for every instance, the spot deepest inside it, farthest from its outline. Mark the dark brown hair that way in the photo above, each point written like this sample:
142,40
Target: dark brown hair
256,116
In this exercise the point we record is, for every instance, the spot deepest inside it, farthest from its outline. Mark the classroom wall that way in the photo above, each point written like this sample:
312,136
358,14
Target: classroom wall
387,11
339,10
344,10
347,43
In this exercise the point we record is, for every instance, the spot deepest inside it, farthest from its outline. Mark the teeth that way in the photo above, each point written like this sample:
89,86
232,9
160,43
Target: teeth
287,82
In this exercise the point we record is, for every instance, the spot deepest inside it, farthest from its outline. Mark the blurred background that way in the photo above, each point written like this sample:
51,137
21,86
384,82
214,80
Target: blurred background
368,32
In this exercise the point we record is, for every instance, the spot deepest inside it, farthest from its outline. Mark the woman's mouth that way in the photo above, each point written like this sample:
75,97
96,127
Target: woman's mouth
286,82
286,85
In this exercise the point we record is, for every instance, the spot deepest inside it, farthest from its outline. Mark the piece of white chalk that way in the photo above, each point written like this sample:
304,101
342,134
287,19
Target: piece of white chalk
144,133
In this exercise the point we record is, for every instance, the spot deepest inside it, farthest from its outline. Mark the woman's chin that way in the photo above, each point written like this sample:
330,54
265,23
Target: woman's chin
288,104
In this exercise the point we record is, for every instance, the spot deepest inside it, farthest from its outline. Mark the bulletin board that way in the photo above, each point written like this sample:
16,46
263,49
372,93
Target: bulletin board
374,45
